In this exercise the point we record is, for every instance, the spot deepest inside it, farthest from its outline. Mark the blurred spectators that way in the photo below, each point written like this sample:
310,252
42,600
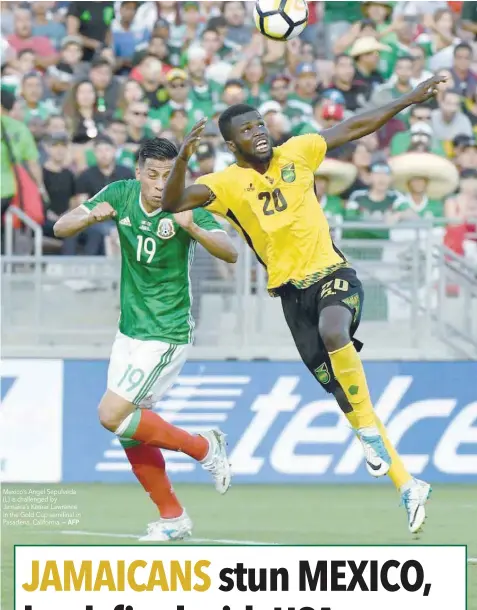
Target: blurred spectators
86,82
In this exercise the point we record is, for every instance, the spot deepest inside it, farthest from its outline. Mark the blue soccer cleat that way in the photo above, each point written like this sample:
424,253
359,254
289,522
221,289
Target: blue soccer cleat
414,500
378,460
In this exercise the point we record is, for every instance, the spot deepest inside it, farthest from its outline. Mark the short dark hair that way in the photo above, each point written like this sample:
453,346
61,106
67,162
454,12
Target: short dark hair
100,61
451,92
463,45
419,107
156,148
405,58
225,119
209,29
216,22
341,56
103,139
30,75
115,121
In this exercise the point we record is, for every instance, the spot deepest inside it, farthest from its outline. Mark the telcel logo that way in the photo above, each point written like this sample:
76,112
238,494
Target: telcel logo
285,459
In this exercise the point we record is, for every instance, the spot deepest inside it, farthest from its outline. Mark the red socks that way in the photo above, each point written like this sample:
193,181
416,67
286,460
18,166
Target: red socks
149,428
149,467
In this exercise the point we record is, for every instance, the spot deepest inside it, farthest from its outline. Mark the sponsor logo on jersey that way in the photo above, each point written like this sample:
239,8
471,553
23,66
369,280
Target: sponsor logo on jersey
166,230
125,222
145,225
288,173
322,374
250,188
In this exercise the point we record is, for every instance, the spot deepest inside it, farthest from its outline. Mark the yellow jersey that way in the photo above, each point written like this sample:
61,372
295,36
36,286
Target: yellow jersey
278,213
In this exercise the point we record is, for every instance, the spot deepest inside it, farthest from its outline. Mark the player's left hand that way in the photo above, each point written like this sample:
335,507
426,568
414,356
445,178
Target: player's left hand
426,90
185,220
192,140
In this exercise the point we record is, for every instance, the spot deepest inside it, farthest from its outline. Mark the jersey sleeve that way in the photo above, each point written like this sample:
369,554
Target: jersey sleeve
113,194
400,203
218,193
206,221
310,148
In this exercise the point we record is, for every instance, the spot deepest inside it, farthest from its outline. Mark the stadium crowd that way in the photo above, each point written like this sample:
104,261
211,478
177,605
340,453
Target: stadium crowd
83,83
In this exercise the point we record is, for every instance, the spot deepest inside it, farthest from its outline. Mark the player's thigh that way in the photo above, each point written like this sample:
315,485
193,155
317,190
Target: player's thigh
342,289
140,369
304,330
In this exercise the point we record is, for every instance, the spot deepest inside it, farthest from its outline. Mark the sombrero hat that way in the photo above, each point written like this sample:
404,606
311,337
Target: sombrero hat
340,175
388,5
442,175
367,44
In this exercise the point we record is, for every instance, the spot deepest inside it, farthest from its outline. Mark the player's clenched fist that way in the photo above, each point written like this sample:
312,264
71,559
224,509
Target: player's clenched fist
185,219
103,211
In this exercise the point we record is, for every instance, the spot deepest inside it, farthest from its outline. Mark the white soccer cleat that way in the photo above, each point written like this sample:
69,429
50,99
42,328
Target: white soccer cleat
168,530
378,460
414,500
216,461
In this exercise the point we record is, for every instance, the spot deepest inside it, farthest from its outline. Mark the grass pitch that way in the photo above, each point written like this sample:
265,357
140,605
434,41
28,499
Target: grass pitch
320,514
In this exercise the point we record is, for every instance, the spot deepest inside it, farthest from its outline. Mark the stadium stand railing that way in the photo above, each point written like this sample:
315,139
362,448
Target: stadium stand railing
419,295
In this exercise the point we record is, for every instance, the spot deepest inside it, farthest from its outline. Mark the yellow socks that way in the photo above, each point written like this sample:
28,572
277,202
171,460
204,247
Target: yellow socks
397,473
349,372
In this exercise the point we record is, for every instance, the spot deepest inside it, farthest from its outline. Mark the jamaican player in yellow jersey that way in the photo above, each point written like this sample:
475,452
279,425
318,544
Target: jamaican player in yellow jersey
268,197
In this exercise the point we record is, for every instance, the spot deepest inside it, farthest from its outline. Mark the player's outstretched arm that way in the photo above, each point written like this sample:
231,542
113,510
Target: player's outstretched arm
77,220
368,122
176,197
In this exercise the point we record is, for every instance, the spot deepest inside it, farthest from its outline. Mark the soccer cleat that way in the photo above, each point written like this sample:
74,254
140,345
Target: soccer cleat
216,461
414,500
167,530
378,460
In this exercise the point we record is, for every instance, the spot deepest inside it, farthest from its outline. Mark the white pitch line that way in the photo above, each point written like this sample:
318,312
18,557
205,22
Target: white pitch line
134,537
470,560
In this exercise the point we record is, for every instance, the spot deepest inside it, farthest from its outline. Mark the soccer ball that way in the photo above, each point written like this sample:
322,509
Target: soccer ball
281,19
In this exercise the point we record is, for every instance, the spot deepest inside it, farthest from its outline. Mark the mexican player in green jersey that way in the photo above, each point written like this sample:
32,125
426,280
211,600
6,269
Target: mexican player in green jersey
155,326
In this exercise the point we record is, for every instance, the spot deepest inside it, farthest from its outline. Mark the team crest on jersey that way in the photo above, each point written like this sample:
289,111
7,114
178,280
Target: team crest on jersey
288,173
166,230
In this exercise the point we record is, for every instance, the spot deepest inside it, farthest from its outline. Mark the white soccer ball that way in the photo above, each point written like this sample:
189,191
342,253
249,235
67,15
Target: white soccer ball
281,19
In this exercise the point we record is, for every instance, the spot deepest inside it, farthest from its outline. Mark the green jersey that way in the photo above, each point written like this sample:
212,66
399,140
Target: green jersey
360,206
156,258
428,208
195,110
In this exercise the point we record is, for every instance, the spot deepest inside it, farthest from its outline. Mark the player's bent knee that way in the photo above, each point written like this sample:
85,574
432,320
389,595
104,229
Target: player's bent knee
113,410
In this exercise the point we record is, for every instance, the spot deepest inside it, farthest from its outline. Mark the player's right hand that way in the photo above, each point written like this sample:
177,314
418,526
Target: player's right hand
192,140
103,211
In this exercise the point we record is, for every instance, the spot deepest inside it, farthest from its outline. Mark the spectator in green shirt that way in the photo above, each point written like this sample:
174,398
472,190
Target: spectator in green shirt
32,94
425,179
378,203
178,89
338,16
116,129
23,149
419,118
202,90
402,47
